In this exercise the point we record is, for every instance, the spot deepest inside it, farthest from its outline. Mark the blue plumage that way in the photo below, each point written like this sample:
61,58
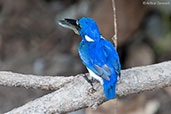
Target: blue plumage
97,54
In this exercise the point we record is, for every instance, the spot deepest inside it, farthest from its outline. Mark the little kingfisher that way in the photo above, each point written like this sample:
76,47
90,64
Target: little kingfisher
98,54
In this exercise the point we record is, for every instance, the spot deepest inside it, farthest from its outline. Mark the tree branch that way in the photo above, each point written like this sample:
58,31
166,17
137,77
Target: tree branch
32,81
75,95
114,38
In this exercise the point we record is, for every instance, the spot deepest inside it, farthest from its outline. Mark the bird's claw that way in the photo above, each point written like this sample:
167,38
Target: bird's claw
92,90
89,81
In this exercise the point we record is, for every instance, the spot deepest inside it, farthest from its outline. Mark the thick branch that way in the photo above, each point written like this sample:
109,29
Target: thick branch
75,95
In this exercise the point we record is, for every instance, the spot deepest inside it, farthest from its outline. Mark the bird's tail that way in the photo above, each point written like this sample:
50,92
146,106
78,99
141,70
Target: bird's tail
109,87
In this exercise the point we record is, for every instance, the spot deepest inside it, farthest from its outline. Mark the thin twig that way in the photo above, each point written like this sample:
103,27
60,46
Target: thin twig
114,38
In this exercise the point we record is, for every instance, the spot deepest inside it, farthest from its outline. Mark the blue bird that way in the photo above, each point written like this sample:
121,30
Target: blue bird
98,54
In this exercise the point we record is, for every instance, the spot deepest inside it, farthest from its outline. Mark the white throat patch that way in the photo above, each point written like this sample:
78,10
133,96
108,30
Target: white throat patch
88,39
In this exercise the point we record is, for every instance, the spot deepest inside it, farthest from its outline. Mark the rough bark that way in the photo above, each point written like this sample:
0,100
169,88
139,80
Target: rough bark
11,79
76,94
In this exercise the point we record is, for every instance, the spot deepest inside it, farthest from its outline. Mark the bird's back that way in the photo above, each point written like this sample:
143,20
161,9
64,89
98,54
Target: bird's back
91,53
97,55
101,53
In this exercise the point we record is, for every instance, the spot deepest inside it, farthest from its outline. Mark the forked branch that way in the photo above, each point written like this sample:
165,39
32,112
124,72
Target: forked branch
75,94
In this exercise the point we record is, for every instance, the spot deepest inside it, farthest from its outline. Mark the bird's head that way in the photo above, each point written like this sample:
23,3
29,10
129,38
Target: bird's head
86,27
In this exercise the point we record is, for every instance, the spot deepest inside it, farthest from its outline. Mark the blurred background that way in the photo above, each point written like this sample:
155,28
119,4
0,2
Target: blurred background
32,43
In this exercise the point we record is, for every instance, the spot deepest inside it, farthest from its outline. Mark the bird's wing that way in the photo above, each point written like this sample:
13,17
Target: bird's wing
112,56
103,71
102,62
104,68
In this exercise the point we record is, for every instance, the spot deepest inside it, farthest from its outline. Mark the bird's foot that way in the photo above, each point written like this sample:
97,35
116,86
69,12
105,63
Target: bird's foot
89,81
91,90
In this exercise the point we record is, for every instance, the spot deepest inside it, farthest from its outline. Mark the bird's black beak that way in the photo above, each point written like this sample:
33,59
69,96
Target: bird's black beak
71,24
